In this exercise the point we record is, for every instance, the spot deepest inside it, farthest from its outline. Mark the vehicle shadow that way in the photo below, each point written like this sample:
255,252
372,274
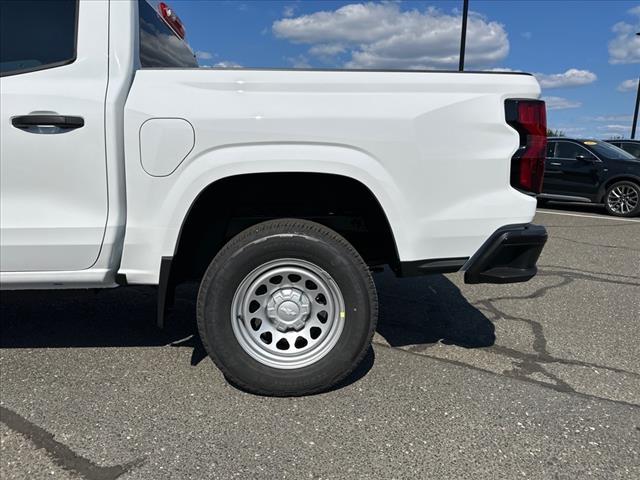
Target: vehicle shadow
430,309
123,317
421,310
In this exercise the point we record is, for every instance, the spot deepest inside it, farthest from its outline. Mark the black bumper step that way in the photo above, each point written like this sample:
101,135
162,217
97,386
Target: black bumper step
508,256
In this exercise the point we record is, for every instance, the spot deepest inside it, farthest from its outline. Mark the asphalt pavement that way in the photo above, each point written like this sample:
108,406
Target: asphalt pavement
534,380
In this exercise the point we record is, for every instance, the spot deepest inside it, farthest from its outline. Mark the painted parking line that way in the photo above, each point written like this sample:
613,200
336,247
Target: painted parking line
600,217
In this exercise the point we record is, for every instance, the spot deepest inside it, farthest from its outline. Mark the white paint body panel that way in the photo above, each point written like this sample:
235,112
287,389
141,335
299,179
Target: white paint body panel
432,147
53,192
412,138
121,20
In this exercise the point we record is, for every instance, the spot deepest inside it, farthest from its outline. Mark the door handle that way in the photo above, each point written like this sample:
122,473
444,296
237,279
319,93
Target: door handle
555,164
64,122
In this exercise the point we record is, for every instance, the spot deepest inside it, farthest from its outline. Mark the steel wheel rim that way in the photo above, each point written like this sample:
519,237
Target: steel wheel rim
308,316
623,199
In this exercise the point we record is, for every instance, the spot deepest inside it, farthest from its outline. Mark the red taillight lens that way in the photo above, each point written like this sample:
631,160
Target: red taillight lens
529,119
169,16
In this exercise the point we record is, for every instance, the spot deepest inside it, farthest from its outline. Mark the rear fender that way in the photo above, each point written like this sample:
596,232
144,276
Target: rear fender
161,205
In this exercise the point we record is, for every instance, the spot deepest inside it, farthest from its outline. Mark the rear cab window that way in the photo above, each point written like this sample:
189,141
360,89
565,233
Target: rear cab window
37,34
160,46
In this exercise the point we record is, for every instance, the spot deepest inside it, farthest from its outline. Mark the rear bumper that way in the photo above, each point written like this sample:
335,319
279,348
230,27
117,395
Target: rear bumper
508,256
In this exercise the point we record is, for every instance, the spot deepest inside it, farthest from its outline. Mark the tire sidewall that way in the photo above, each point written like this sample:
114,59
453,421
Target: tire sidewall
231,267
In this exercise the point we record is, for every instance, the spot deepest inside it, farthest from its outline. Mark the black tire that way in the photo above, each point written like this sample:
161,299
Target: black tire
542,202
273,241
633,192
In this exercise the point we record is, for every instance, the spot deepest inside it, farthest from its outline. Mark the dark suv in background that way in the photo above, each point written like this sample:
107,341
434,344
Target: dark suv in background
593,171
629,146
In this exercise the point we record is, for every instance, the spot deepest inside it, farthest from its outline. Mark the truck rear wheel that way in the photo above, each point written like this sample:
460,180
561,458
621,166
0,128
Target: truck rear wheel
287,307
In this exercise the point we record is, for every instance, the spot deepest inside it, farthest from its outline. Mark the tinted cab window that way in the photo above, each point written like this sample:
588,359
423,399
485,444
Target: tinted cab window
37,34
159,45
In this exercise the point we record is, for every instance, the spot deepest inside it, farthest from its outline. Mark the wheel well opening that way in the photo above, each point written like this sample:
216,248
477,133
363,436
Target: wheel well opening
230,205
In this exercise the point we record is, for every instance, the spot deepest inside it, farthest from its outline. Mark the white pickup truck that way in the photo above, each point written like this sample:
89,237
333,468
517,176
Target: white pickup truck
278,190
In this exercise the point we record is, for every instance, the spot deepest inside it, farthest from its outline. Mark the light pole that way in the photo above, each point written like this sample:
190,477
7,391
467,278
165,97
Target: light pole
635,113
463,35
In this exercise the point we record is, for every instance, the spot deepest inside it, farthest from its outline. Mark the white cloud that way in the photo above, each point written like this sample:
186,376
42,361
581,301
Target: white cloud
381,35
628,85
570,130
571,78
299,61
326,50
611,136
202,55
625,47
501,69
225,64
560,103
289,10
617,128
611,118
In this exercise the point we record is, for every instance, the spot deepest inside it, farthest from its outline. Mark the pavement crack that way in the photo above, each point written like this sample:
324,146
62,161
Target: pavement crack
578,275
59,453
525,369
540,292
596,225
565,269
596,245
541,356
566,278
527,364
537,358
558,388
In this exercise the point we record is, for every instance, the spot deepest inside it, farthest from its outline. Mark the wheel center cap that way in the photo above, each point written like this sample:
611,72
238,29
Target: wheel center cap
288,308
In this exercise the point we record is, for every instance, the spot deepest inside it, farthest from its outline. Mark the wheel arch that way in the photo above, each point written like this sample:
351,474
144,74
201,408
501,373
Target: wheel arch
234,183
344,169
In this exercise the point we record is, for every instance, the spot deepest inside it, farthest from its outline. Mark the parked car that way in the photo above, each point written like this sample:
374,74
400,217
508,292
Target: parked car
593,171
629,146
122,163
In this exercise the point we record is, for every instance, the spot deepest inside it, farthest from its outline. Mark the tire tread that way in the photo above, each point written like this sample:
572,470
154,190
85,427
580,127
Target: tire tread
277,227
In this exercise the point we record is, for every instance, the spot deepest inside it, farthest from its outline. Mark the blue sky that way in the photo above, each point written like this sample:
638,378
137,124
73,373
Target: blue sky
585,54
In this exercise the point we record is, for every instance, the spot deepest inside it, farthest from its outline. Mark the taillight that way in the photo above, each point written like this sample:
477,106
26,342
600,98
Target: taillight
169,16
529,119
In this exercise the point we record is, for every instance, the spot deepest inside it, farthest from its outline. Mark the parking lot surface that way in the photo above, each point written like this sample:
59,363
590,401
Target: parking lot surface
533,380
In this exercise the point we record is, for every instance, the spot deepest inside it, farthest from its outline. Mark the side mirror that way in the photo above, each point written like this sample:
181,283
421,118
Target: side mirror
586,158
